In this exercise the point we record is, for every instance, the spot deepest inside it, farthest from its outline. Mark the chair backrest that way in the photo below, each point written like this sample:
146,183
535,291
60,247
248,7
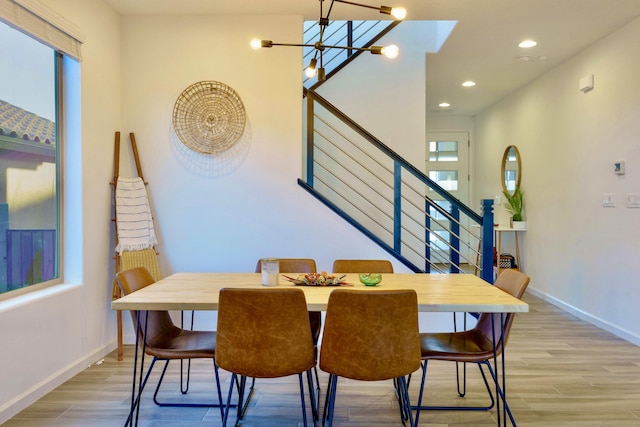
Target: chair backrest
293,265
160,324
371,335
362,266
515,284
264,333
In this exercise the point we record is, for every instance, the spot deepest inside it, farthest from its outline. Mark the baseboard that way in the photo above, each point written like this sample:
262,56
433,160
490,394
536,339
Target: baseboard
616,330
22,401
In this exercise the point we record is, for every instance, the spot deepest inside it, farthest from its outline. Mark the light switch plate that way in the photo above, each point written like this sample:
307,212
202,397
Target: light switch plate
609,200
633,200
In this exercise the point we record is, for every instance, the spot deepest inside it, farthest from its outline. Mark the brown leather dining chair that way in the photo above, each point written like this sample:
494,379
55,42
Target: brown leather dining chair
362,266
302,265
164,341
474,345
264,333
370,336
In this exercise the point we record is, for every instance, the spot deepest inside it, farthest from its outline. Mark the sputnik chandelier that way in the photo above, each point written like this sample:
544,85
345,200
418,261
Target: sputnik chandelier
390,51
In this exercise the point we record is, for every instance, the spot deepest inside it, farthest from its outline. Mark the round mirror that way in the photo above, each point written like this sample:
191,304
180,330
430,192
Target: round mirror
511,169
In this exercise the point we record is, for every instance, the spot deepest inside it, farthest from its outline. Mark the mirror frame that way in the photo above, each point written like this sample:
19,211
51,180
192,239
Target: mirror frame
504,163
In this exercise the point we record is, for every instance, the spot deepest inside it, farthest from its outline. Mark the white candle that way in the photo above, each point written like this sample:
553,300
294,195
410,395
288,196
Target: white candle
270,271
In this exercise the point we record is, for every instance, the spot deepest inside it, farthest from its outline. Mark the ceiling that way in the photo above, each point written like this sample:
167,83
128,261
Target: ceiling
482,47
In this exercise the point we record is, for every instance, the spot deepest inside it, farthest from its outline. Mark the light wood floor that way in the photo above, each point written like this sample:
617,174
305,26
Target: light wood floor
561,372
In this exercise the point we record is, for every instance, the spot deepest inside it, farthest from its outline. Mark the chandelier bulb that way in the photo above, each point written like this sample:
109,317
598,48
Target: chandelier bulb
399,13
391,51
310,71
255,44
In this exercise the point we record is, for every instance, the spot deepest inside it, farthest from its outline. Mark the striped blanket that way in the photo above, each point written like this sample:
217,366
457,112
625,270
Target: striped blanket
133,216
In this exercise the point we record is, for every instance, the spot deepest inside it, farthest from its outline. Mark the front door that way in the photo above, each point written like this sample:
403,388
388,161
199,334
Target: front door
447,163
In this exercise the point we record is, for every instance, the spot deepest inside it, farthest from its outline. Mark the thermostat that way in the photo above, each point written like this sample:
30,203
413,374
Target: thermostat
618,168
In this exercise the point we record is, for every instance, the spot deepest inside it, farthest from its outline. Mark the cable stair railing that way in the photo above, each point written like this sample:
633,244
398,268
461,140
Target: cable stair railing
389,200
373,188
349,33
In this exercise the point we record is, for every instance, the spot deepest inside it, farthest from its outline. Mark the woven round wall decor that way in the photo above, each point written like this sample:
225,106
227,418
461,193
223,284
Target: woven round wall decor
209,117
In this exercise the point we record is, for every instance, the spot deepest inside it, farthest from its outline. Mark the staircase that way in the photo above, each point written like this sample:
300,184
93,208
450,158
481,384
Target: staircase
380,193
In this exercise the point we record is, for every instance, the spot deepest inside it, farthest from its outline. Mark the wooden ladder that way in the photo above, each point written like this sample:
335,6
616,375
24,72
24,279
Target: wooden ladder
116,293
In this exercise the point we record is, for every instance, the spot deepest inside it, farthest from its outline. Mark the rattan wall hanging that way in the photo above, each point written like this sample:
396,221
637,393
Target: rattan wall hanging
209,117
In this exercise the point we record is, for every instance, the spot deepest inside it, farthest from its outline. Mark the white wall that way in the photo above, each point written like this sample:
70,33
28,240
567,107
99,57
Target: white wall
52,334
580,255
226,212
393,91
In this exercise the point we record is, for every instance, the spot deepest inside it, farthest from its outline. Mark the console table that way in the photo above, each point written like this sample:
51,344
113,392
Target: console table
506,229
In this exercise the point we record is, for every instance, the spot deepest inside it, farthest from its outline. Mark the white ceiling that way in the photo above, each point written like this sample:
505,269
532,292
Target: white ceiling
482,47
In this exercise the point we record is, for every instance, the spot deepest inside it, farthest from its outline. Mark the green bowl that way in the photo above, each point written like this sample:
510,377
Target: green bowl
370,279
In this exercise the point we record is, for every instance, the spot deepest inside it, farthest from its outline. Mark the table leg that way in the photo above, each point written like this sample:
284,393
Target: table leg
135,399
500,382
518,252
119,328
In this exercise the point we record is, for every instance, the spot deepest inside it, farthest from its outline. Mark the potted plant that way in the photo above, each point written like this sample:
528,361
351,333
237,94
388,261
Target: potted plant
515,206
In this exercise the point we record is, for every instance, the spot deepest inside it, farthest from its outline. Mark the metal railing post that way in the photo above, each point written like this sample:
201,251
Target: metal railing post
487,240
397,206
310,142
427,237
454,240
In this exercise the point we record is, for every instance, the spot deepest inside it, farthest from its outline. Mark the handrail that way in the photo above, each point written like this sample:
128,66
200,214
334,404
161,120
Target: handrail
312,95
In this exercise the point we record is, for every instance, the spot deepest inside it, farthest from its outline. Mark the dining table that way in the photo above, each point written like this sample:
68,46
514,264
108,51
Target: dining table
453,293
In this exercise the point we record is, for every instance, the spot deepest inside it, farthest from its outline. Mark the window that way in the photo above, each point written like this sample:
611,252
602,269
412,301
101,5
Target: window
443,151
446,179
29,170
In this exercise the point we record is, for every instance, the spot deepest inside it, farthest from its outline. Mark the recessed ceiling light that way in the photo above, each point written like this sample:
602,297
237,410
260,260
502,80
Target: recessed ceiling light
468,83
444,105
527,43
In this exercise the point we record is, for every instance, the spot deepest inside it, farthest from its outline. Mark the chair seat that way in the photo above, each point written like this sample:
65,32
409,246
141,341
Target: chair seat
184,344
467,346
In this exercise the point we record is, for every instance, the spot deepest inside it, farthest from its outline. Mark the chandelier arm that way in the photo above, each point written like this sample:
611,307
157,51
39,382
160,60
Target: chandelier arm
293,44
357,4
374,49
329,11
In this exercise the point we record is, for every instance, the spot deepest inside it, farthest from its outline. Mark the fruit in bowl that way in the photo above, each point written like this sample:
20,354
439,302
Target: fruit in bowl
370,279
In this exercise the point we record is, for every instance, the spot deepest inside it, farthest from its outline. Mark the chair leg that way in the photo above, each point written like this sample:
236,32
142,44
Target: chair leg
140,390
464,378
325,411
404,414
424,376
304,406
186,405
404,402
215,369
500,392
225,416
331,399
467,408
315,370
241,409
314,400
183,389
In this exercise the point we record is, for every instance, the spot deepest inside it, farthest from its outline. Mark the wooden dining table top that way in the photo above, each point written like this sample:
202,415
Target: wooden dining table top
436,292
